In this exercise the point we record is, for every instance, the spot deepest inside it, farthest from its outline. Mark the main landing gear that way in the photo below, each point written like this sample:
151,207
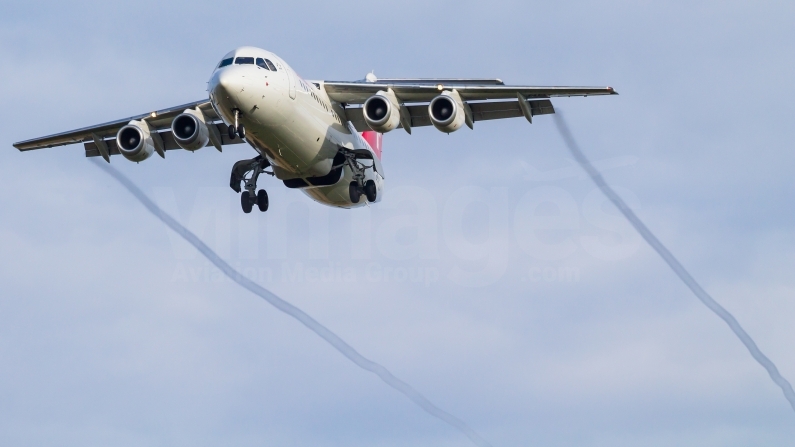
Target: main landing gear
237,129
359,186
369,190
247,201
250,196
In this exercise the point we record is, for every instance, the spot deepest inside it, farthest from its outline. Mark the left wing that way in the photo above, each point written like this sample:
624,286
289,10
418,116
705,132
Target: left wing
481,111
424,90
486,99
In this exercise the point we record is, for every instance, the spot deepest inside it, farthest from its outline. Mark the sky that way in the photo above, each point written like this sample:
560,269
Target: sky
493,277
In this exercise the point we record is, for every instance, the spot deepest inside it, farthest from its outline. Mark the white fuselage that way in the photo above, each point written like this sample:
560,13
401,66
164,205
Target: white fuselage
289,121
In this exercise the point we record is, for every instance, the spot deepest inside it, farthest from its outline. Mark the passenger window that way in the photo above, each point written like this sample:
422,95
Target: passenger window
270,64
261,63
244,61
225,62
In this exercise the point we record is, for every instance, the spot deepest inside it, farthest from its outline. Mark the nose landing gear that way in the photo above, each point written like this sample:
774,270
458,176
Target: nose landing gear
237,129
250,196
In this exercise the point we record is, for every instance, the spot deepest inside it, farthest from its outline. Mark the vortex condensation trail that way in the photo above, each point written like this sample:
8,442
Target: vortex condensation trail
312,324
672,262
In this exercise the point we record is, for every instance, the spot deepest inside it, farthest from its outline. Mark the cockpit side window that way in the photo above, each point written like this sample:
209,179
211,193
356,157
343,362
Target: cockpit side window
270,64
261,63
244,61
225,62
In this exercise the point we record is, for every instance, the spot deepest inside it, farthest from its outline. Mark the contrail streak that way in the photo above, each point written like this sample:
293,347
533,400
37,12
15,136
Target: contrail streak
332,338
673,262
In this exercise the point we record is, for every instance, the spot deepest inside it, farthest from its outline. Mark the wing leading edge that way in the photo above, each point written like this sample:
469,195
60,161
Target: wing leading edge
426,90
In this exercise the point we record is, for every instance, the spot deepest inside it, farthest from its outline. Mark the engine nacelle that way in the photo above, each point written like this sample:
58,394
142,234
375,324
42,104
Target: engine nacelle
382,111
447,112
135,141
189,130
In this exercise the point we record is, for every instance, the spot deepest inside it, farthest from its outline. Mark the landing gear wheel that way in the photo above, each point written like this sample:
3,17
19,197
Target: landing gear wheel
354,192
232,132
370,191
262,200
246,202
241,131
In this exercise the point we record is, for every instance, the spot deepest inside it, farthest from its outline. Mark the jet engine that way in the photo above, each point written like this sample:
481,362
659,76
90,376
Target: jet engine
382,111
189,130
447,112
135,141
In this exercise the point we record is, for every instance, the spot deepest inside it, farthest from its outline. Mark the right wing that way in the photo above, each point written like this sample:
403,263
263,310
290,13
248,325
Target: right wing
159,120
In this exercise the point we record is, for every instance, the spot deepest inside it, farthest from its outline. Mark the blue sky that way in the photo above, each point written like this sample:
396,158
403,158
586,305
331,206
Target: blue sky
520,303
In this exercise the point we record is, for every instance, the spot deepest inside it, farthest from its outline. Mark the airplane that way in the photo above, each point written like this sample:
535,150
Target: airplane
321,137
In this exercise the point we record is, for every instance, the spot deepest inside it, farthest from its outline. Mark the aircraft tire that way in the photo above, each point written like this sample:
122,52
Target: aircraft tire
262,200
370,191
354,192
245,202
241,131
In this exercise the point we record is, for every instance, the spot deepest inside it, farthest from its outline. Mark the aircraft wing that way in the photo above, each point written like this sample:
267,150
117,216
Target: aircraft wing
424,90
159,120
481,111
479,95
488,99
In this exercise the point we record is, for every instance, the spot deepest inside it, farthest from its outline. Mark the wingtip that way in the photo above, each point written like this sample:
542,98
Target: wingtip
612,91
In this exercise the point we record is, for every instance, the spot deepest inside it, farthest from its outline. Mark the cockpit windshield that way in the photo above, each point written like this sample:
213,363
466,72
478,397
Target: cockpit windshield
260,62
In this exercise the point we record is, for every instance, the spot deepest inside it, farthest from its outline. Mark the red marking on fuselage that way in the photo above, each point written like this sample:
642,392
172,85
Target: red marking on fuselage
374,139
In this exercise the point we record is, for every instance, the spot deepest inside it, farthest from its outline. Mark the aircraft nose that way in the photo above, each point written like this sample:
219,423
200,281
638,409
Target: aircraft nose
235,88
226,84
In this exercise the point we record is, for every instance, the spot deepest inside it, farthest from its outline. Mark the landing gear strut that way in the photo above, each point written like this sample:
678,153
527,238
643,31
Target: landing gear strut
250,196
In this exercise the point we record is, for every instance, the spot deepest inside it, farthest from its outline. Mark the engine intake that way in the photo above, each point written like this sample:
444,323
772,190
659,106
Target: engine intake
382,111
447,112
189,130
135,141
